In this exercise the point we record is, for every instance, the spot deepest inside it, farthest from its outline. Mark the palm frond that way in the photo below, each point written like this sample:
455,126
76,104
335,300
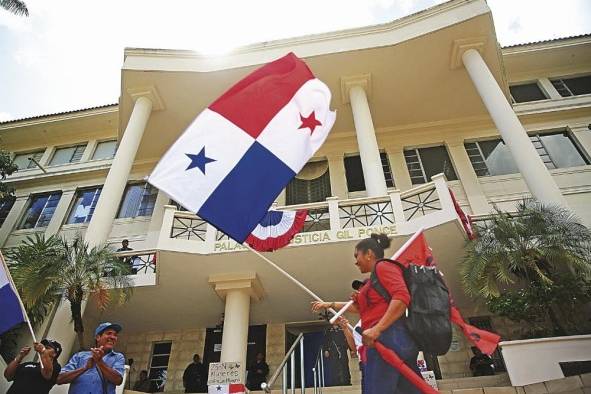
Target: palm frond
17,7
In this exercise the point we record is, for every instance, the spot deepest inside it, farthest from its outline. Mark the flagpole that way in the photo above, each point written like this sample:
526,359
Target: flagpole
19,297
403,368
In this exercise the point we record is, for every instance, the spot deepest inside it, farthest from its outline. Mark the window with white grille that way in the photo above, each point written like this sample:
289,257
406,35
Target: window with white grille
105,150
84,205
575,86
423,163
311,184
526,92
40,211
138,200
23,160
354,172
71,154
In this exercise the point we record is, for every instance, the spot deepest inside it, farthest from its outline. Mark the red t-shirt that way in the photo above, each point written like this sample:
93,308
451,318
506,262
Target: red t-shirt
372,306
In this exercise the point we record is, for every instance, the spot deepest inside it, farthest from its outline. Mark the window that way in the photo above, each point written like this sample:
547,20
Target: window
491,158
40,210
5,207
527,92
105,150
311,184
354,172
557,150
158,372
24,162
71,154
84,205
573,86
138,200
423,163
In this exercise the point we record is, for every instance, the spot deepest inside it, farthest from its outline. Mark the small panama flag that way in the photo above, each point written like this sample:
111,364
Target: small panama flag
234,388
240,152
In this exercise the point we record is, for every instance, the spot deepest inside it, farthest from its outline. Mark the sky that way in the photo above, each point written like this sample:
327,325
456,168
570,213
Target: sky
67,54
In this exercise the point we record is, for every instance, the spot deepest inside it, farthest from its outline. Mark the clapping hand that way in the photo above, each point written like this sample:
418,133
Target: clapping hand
97,353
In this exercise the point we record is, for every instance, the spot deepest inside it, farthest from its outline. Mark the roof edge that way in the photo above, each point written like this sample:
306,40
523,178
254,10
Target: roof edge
107,108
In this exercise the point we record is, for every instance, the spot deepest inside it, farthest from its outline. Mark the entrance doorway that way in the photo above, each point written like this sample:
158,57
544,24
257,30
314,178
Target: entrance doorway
257,342
320,340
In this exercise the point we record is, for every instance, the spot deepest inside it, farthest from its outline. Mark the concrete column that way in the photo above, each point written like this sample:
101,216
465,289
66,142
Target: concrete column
280,200
155,226
99,228
236,318
375,183
478,202
549,89
535,174
338,179
399,169
236,289
100,225
582,135
59,215
89,151
12,218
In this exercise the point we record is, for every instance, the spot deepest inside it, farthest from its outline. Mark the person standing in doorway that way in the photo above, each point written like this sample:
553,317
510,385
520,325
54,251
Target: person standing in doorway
257,372
195,376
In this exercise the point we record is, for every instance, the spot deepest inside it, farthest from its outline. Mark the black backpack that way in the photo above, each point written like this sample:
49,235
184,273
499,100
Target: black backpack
428,319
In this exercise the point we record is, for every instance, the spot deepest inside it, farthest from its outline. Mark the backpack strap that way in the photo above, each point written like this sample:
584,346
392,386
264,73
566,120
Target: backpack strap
375,280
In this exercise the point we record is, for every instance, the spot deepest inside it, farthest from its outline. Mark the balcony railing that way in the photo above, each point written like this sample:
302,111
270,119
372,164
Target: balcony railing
142,264
398,213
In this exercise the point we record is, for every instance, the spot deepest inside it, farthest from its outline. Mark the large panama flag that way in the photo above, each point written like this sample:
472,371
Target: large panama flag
240,152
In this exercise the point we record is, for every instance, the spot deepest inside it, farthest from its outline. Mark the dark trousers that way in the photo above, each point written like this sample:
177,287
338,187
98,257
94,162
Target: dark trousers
379,377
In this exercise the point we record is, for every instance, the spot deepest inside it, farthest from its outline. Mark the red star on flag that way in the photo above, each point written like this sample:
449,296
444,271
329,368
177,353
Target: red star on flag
310,122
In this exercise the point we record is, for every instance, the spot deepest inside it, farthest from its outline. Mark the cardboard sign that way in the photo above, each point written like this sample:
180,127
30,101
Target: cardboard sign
224,373
429,377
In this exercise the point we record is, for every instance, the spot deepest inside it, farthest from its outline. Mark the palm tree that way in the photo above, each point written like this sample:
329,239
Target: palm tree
535,247
45,269
17,7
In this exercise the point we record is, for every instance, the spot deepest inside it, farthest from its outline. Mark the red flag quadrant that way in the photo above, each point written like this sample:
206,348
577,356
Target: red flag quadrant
240,152
234,388
276,230
465,219
484,340
419,253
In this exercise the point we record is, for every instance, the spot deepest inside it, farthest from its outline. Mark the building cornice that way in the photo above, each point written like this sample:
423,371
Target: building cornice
391,33
546,45
59,117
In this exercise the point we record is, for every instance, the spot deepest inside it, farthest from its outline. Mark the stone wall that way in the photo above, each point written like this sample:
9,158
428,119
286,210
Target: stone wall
185,343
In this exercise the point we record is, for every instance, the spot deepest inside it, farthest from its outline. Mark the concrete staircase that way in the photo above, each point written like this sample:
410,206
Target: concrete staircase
498,384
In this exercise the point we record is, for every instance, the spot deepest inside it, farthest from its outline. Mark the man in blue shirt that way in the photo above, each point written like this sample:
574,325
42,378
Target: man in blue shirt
99,370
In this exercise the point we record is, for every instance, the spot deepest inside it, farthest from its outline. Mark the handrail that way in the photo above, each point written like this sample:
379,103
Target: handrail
129,253
266,386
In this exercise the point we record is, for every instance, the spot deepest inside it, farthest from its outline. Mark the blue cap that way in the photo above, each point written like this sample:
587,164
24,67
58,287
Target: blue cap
106,325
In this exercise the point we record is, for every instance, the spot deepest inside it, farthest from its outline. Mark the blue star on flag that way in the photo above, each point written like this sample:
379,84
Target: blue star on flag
199,160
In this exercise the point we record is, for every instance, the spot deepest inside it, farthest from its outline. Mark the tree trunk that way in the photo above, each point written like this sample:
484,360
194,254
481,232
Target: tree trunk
557,327
76,309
